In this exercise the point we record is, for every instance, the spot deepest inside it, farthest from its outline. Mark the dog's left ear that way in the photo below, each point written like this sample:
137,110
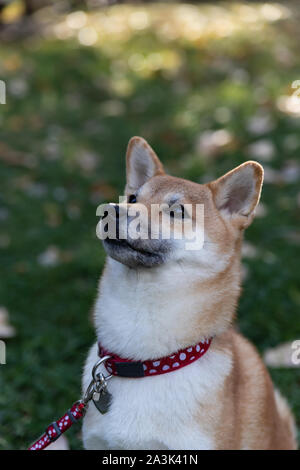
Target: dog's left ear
236,194
142,163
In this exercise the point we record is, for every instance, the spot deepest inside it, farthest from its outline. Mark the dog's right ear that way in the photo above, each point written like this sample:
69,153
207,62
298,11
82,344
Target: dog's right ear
142,163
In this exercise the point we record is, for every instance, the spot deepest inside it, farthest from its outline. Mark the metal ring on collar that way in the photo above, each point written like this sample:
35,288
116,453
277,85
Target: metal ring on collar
98,363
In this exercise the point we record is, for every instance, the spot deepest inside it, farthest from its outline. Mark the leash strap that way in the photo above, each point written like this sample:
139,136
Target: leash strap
57,428
96,387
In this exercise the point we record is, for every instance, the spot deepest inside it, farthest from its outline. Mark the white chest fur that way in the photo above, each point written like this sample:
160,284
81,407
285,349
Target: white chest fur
143,320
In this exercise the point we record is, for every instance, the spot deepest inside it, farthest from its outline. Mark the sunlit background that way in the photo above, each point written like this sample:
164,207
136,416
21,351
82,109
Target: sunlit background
210,85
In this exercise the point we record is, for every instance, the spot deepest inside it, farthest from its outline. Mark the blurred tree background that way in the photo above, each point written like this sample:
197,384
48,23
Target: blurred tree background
210,85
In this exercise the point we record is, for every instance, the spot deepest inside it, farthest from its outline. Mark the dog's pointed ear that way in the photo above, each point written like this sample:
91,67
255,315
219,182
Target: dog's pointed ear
142,164
237,193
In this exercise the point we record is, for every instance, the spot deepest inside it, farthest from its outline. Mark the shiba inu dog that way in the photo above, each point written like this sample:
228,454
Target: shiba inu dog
167,311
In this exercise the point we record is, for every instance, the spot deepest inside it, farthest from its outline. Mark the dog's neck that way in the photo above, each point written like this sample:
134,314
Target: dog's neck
150,313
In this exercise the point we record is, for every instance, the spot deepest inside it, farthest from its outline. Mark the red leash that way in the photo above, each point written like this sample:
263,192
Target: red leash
57,428
96,388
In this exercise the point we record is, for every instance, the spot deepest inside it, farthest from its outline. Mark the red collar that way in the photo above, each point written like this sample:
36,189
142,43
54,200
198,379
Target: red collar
117,365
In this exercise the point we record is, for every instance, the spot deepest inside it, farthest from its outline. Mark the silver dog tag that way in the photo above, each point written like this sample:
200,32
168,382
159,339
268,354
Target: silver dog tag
102,401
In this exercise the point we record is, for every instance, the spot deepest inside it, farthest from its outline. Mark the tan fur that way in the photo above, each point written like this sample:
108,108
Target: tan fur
249,414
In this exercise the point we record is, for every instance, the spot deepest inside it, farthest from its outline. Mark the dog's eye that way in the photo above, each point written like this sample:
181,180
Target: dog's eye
177,211
132,198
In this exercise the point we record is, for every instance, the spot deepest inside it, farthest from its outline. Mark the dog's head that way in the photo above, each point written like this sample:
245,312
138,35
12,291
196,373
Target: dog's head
166,219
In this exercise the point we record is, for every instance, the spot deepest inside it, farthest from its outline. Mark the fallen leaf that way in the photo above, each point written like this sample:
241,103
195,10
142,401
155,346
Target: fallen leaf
211,142
280,356
6,330
87,160
103,191
260,124
50,257
262,150
16,158
249,250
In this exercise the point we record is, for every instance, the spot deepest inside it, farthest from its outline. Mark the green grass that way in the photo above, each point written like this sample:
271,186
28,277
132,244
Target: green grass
70,112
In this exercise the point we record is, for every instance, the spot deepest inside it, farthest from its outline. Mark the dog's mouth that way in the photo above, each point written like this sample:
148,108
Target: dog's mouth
122,243
130,254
